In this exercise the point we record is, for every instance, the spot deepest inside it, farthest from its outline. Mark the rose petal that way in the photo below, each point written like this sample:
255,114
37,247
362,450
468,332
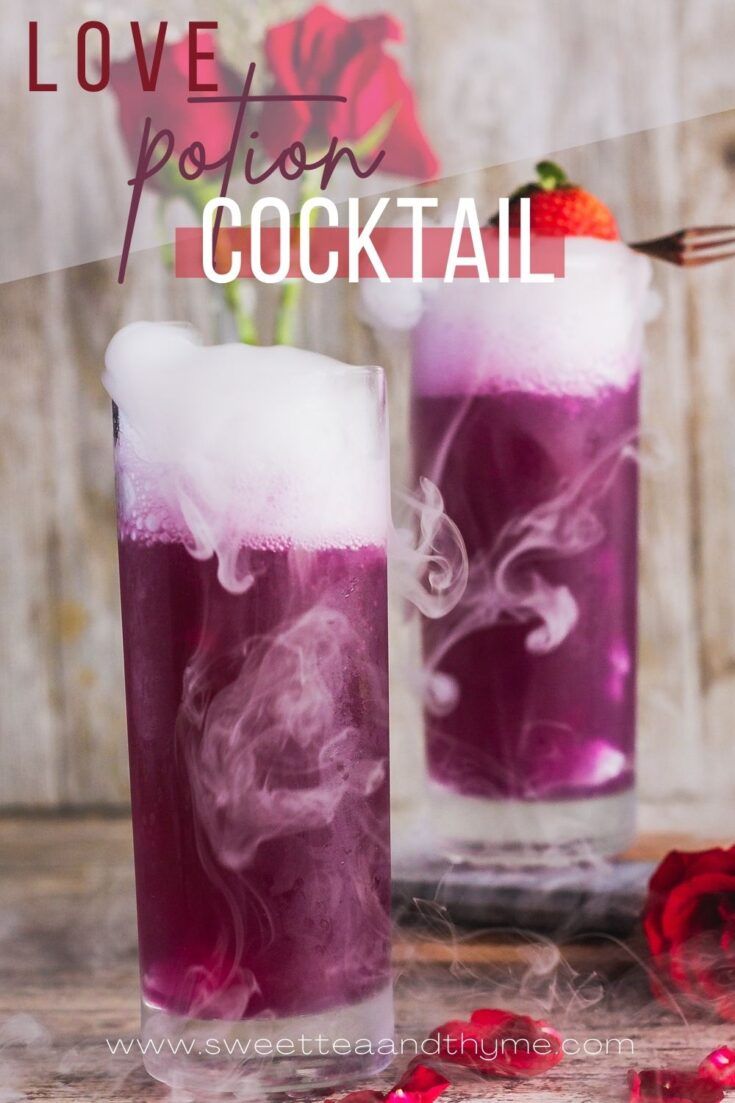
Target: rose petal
671,1086
168,105
419,1084
490,1017
719,1065
684,914
373,86
500,1043
322,52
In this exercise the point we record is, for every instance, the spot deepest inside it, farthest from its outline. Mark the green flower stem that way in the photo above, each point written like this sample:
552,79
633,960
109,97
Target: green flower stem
292,288
167,250
198,193
244,324
286,316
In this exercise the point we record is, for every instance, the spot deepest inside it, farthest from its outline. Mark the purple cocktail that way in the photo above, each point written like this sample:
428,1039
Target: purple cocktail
252,504
525,414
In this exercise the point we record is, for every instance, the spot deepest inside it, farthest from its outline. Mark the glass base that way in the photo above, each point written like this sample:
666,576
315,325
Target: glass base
244,1059
527,833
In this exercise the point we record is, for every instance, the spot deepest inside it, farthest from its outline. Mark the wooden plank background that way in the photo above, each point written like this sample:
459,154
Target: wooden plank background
497,82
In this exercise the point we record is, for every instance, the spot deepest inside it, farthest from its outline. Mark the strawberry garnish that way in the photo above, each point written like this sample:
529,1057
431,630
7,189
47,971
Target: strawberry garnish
562,209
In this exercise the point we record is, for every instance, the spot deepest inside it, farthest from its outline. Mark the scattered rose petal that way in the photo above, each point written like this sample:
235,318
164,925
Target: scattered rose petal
670,1086
419,1084
500,1043
719,1065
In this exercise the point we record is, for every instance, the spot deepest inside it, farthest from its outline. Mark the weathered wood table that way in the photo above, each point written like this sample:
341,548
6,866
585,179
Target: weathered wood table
68,980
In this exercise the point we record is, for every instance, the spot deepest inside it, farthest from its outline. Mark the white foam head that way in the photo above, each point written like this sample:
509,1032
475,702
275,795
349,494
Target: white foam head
230,446
580,335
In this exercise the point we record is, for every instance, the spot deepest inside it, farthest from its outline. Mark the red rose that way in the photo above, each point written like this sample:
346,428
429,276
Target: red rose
689,922
322,53
211,124
500,1043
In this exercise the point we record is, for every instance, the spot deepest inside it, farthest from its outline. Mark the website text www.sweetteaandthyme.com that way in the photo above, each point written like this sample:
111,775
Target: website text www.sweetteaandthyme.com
321,1046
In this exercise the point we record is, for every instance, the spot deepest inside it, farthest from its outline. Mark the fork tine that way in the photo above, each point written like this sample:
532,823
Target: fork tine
716,243
703,231
684,237
660,246
699,260
691,247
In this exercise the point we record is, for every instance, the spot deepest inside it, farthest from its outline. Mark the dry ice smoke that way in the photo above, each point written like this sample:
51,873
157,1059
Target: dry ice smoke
21,1035
577,336
284,698
233,446
428,558
504,584
269,756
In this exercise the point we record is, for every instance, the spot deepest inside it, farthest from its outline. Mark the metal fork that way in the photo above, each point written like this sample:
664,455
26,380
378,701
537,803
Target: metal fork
692,247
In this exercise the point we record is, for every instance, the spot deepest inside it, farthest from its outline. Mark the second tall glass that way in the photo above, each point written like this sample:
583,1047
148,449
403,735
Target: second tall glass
252,510
525,414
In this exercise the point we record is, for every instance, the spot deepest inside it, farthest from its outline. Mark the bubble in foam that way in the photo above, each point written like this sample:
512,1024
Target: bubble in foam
577,336
230,446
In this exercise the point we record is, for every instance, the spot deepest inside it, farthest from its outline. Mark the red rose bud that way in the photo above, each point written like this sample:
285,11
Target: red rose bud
689,923
322,53
719,1065
500,1043
670,1086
